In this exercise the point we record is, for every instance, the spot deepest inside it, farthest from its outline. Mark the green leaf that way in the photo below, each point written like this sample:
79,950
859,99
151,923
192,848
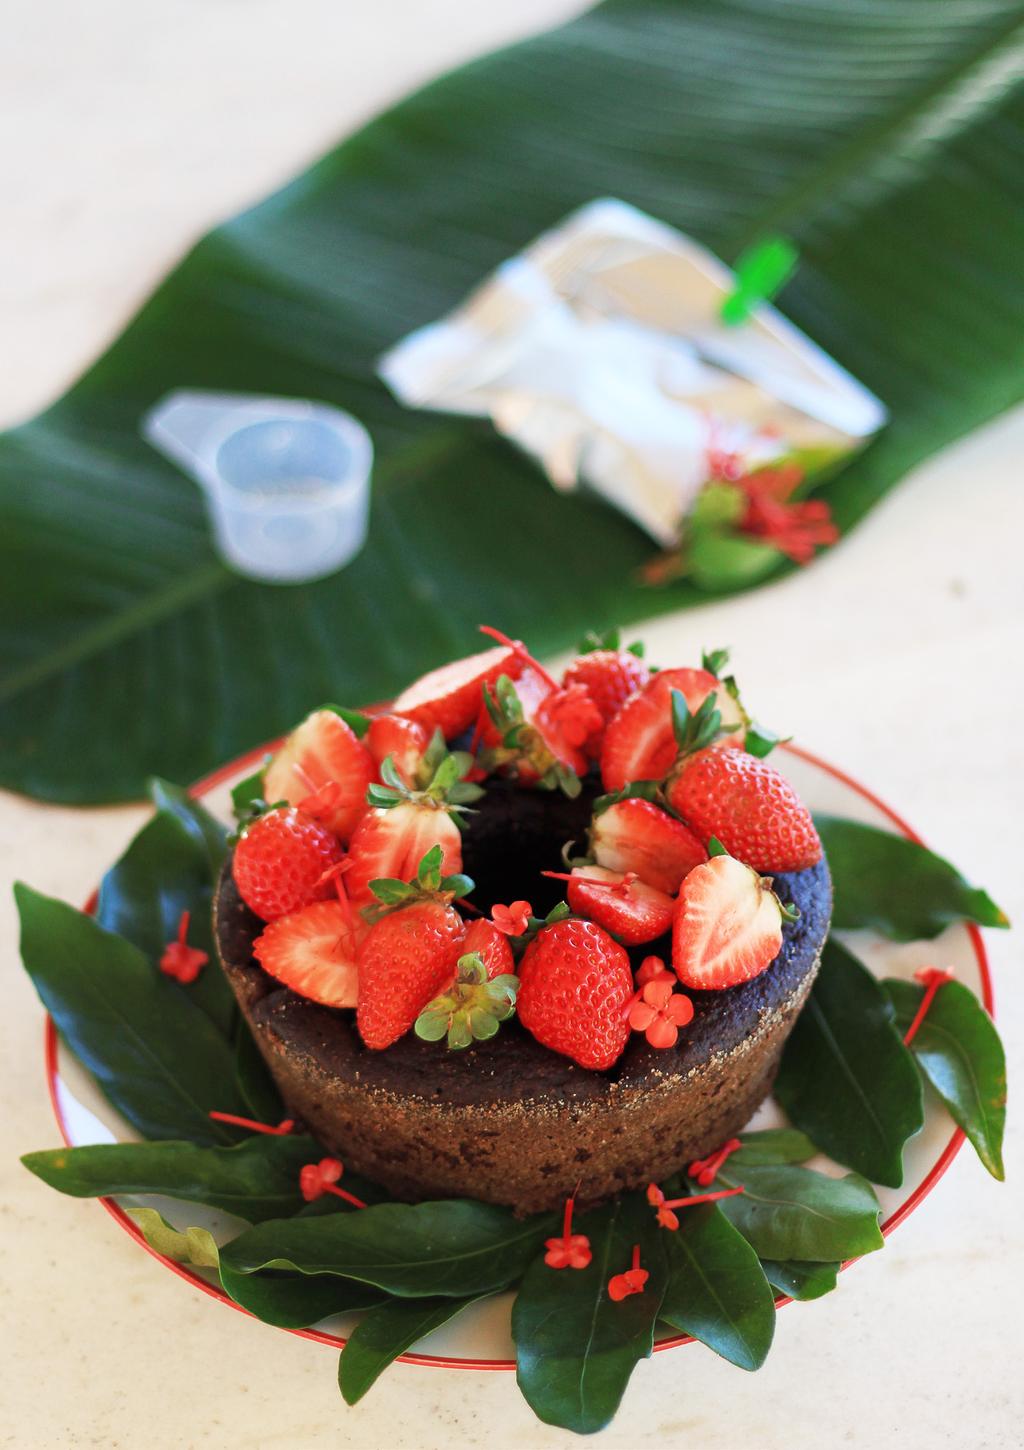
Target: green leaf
384,1334
720,562
191,1246
247,793
156,1056
127,645
295,1301
759,740
356,720
263,1101
773,1145
165,871
895,886
958,1050
716,1289
452,1248
258,1179
801,1280
846,1079
795,1213
208,833
576,1347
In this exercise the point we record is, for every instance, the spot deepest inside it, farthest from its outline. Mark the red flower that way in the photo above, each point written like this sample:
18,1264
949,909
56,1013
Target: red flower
664,1206
284,1127
180,961
632,1281
571,1251
931,978
659,1012
796,529
706,1169
571,713
653,969
316,1179
512,920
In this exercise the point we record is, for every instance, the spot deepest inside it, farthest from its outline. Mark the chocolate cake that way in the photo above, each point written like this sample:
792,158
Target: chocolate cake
508,1120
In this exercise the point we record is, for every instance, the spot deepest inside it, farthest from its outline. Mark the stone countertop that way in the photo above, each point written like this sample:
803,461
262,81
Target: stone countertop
127,130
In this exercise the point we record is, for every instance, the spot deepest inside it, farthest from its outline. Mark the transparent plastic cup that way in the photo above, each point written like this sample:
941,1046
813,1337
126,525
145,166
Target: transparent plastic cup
287,482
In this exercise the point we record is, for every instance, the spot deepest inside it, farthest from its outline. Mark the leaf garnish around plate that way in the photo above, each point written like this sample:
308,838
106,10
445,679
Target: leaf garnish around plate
255,1180
773,1145
801,1280
960,1053
455,1247
295,1301
166,871
896,886
385,1333
716,1289
155,1054
575,1346
788,1212
846,1077
207,831
195,1246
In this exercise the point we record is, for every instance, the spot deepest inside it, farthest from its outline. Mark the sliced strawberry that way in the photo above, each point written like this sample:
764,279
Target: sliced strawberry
623,904
280,860
639,742
727,927
392,842
449,699
610,676
312,952
322,750
483,937
404,740
636,835
748,806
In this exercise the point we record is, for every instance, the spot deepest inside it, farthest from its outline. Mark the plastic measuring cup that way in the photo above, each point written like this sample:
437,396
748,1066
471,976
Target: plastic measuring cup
287,482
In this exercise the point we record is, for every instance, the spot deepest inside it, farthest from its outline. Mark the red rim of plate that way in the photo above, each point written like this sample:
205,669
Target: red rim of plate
904,1210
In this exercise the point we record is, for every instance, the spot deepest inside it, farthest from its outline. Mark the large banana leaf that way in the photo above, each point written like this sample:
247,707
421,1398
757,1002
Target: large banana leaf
884,136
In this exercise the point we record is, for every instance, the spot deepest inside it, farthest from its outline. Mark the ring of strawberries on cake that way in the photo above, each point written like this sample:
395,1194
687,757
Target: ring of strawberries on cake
516,938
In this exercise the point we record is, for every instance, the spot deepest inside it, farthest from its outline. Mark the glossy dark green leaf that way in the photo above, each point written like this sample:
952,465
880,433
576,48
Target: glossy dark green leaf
958,1049
295,1301
262,1098
385,1333
156,1055
801,1280
195,1246
774,1145
257,1179
127,646
166,871
575,1346
899,888
788,1212
210,835
846,1077
716,1289
452,1248
246,793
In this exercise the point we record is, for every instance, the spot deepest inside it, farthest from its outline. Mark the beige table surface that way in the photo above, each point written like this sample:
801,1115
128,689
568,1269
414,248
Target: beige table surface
125,130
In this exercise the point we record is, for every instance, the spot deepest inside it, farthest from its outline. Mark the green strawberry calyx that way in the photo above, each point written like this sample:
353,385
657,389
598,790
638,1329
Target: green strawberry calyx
427,885
440,780
473,1007
522,744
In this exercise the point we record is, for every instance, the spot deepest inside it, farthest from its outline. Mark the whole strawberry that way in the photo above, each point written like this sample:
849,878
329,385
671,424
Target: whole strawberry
575,983
280,860
748,806
411,951
609,676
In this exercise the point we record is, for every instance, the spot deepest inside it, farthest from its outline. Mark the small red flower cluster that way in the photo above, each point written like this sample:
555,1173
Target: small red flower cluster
316,1179
795,528
512,920
631,1281
570,1251
657,1009
704,1170
179,960
931,978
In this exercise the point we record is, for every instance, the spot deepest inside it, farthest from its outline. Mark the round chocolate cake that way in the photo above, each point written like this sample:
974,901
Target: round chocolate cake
508,1120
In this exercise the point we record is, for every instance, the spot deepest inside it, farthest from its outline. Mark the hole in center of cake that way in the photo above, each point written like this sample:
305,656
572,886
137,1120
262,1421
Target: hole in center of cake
518,832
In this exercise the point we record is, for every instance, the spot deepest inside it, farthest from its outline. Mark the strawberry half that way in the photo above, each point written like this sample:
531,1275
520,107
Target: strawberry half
449,699
727,927
636,835
392,842
623,904
323,751
640,743
575,984
747,805
312,952
280,860
405,740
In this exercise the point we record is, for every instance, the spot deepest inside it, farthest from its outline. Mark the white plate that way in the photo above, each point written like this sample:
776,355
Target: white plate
479,1338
